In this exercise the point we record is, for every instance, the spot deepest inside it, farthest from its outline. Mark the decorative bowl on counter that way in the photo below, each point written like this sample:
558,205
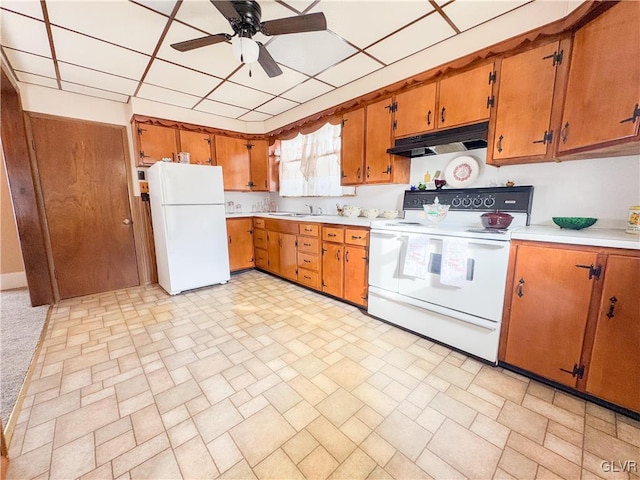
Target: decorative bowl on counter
435,212
389,213
351,211
497,220
370,212
574,223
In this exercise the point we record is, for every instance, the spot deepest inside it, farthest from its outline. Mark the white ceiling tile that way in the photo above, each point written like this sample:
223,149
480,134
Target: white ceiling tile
31,8
162,6
217,108
37,79
349,70
418,36
309,52
22,33
122,23
27,62
91,53
203,15
299,5
255,117
261,81
215,60
307,90
104,81
469,13
167,75
163,95
94,92
364,22
235,94
276,106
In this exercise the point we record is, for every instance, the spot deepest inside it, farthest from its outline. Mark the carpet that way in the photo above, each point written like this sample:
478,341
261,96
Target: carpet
20,329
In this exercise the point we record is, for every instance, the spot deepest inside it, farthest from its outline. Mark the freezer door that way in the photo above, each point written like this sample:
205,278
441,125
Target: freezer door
197,251
186,184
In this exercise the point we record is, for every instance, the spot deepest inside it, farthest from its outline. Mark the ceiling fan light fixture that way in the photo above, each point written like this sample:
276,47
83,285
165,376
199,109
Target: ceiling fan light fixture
245,49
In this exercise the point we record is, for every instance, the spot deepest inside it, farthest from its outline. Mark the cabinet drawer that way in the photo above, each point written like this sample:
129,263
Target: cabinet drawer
309,229
354,236
260,239
308,261
309,278
333,234
308,245
262,259
258,223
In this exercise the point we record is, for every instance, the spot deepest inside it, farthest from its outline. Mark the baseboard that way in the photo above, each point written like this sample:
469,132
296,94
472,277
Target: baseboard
9,281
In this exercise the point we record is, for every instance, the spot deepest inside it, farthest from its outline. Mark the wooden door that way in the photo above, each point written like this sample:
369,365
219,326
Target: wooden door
549,309
240,238
288,256
155,143
603,89
259,165
84,187
352,157
198,145
377,141
415,111
356,275
332,268
463,97
233,156
614,371
523,114
273,252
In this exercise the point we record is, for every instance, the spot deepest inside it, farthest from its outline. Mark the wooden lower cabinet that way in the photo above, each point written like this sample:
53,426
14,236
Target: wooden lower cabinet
356,274
240,241
332,268
573,316
288,256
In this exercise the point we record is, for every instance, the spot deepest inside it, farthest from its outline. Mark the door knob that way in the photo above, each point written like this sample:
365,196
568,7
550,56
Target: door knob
126,221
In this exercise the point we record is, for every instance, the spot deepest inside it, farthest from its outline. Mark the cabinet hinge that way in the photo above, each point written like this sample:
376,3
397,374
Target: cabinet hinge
557,57
209,162
323,251
492,77
546,138
395,124
33,145
208,140
296,242
491,101
344,120
140,130
249,146
594,272
577,371
366,260
324,284
142,155
388,170
392,107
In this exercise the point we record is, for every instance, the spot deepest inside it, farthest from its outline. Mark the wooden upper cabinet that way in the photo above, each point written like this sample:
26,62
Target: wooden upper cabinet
259,165
415,111
155,143
233,156
614,370
240,240
377,141
603,91
198,145
465,97
526,92
352,155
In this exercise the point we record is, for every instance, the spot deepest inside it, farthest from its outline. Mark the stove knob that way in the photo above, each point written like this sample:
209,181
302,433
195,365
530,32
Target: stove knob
455,202
489,202
466,202
477,202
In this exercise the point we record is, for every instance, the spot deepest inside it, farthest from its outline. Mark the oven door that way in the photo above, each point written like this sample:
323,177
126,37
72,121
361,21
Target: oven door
481,294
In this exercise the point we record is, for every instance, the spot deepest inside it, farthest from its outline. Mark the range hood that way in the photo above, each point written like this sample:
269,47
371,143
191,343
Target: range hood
451,140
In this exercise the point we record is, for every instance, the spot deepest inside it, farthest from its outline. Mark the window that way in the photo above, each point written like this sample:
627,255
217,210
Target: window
310,165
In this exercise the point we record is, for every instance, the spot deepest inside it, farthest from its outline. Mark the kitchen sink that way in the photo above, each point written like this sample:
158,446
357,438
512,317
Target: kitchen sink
289,214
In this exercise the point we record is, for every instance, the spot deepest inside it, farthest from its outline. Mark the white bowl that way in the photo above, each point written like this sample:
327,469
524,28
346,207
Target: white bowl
351,211
434,213
389,213
370,212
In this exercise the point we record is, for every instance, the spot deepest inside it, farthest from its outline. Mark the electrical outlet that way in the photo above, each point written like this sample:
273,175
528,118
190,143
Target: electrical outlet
140,174
144,187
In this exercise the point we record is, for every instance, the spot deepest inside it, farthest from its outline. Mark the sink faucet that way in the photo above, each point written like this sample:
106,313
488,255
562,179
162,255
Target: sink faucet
310,208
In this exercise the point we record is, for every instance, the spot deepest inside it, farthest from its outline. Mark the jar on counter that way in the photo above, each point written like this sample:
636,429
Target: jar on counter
633,221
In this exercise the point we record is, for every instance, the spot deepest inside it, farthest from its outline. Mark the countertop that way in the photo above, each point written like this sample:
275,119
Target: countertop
597,237
329,219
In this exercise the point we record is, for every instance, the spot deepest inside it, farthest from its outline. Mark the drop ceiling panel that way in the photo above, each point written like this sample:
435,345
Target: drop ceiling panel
350,70
162,6
203,15
164,95
22,33
94,92
222,109
82,50
418,36
255,117
276,106
307,90
27,62
123,23
469,14
310,52
235,94
104,81
171,76
299,5
33,9
363,23
37,79
261,81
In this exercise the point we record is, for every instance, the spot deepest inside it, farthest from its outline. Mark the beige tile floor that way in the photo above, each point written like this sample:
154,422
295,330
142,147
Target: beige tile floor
261,378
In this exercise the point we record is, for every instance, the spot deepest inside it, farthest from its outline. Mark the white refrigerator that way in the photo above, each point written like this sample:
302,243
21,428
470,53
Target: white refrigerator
189,225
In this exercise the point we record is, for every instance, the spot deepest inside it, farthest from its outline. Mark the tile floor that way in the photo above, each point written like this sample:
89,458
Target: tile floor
261,378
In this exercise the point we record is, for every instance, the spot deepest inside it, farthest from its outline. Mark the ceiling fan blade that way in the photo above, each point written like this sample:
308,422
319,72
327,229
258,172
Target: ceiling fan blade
302,23
200,42
267,62
227,9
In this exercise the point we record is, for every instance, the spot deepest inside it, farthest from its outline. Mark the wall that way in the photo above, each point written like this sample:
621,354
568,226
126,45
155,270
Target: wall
12,274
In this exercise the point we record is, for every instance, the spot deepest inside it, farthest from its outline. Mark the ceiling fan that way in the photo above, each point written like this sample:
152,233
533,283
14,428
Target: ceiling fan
244,18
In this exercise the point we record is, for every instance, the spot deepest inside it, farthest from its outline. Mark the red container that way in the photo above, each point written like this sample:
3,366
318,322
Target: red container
496,220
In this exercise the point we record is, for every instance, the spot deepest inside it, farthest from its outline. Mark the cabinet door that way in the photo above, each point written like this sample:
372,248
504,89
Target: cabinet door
156,143
233,156
273,252
614,371
377,141
549,309
604,78
288,256
198,145
356,275
240,239
523,115
352,158
259,159
464,97
332,268
415,111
